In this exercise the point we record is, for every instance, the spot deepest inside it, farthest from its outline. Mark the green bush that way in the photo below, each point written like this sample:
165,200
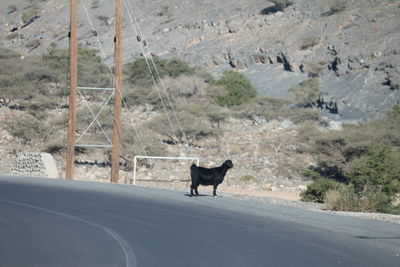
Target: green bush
138,72
379,169
16,88
239,89
335,150
10,89
365,156
307,92
317,190
28,129
91,71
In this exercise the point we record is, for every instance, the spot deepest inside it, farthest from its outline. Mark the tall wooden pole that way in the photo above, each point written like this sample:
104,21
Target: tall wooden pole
118,94
69,173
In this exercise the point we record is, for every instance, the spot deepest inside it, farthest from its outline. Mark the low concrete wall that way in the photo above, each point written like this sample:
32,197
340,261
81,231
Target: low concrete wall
35,164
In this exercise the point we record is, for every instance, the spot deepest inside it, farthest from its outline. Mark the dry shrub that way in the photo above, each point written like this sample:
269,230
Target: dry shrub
193,128
33,44
248,179
185,87
27,129
314,69
7,53
262,108
281,4
342,199
141,141
212,112
346,199
85,118
309,41
145,95
30,14
337,6
56,145
307,92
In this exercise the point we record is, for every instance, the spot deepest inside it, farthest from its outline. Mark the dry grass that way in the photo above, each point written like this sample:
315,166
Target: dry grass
342,199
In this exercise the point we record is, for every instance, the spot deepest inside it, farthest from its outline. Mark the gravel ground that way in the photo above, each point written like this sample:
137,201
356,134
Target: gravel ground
320,208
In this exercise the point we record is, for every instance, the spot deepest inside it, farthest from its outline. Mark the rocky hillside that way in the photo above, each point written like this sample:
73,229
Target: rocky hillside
353,46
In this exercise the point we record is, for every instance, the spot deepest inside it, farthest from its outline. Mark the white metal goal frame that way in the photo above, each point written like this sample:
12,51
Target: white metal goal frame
153,157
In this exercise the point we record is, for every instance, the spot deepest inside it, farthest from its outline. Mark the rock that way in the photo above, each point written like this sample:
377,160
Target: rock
302,187
35,164
357,59
335,125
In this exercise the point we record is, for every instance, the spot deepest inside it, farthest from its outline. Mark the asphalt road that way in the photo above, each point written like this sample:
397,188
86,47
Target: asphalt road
46,222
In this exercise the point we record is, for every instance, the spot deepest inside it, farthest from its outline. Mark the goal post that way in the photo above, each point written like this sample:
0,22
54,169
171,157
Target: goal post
154,157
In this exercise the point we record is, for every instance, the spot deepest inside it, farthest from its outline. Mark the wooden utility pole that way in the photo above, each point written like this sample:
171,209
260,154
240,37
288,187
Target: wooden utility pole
116,140
73,87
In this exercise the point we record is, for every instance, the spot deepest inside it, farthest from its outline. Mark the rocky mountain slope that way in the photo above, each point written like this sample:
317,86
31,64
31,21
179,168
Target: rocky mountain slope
352,45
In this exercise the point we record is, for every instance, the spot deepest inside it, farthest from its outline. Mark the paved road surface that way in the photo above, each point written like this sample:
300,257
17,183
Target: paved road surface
46,222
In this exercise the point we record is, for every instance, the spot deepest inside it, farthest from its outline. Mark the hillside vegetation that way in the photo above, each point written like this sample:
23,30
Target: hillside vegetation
356,167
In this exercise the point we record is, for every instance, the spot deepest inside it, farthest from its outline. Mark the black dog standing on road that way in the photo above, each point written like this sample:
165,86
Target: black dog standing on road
205,176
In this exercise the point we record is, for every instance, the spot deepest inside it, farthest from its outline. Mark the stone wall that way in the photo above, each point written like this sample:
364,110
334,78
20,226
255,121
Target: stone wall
35,164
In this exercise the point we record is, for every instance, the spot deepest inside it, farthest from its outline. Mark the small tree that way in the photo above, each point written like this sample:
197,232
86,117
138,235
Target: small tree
316,191
138,72
307,92
239,88
377,170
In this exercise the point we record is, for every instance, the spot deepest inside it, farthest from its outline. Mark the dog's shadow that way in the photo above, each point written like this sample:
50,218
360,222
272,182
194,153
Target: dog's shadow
200,195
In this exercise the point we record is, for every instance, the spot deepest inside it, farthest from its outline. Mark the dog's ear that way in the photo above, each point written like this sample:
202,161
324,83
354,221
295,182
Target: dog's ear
229,163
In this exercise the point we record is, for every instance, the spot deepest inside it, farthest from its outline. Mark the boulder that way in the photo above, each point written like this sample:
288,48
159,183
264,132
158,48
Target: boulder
35,164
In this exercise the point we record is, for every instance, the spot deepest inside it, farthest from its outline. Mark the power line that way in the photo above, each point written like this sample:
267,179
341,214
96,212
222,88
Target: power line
139,33
111,72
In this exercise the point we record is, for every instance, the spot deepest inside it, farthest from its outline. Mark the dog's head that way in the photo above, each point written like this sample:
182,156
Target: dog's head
228,163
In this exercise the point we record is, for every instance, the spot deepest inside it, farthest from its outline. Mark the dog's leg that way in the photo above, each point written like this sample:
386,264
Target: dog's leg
192,187
197,192
215,190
